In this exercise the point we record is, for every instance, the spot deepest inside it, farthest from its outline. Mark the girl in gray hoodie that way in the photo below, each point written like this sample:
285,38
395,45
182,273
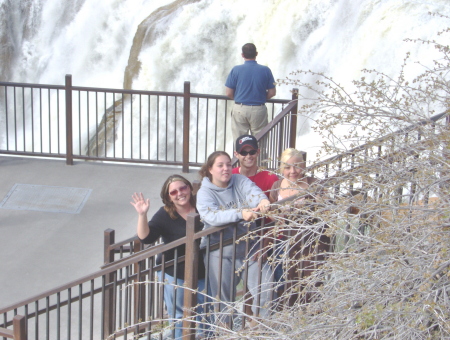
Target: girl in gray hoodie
233,200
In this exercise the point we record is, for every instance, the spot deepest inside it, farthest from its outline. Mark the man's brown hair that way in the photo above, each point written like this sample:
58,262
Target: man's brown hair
249,51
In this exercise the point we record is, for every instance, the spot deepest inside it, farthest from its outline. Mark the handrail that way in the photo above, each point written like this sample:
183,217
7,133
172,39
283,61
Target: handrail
377,141
111,267
111,281
291,105
96,128
18,332
128,261
137,258
129,91
53,87
264,134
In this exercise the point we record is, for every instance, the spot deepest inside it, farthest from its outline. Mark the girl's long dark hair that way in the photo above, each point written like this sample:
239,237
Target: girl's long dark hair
204,171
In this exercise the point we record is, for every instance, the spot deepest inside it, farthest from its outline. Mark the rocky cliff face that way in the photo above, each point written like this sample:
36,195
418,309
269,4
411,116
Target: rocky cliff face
147,33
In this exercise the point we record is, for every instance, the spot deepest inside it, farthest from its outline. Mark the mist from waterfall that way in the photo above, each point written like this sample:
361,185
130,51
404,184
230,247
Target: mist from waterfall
141,45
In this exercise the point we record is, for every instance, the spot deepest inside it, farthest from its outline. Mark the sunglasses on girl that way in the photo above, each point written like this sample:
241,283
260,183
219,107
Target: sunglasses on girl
180,190
251,152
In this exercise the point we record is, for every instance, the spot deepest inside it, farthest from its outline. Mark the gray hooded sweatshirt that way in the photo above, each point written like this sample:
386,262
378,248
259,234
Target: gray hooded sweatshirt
221,206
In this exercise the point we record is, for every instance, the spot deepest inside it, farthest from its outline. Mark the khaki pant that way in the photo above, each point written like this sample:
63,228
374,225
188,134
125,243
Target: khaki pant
245,118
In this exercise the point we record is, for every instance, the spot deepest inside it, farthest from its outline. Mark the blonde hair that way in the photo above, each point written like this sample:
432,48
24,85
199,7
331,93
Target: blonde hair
287,154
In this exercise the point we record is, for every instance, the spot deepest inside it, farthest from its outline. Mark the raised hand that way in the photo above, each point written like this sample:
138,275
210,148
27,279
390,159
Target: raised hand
140,203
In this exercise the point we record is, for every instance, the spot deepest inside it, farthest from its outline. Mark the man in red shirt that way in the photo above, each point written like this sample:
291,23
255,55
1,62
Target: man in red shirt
247,151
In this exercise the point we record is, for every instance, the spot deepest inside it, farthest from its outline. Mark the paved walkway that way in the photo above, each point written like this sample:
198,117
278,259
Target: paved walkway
40,250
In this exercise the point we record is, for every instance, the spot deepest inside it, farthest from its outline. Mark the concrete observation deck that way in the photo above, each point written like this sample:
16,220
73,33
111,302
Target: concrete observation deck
41,246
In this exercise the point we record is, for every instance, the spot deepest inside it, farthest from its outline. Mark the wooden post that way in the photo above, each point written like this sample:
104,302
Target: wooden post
69,136
294,111
20,328
108,313
109,239
139,289
186,124
190,276
196,185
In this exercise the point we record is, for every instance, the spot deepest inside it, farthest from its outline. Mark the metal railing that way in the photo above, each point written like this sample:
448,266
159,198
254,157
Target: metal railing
151,127
121,299
19,331
365,171
343,171
99,304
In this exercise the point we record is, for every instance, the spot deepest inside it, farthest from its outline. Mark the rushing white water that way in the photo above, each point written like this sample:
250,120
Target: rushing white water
90,39
101,43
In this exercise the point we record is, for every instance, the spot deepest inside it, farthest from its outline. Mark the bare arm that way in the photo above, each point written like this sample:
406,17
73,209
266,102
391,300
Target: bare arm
141,205
273,197
229,92
271,92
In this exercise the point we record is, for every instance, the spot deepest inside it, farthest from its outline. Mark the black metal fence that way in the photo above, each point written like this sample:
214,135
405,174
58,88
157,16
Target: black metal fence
165,128
125,298
343,172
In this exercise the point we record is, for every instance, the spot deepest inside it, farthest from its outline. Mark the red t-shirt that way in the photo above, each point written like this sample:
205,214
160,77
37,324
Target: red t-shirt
263,179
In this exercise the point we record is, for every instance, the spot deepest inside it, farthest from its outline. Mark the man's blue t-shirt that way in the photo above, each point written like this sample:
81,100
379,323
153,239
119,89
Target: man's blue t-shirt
250,82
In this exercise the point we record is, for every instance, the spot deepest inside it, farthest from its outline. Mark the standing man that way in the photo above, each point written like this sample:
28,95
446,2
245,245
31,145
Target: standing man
250,85
247,151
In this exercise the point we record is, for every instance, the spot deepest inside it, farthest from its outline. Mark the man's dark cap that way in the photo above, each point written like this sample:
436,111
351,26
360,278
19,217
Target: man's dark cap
245,140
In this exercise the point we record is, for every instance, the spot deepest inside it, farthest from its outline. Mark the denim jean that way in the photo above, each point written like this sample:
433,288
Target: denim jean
263,292
178,301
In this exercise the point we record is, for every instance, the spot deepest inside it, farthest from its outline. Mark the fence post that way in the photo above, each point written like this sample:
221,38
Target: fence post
190,276
186,124
108,314
20,328
294,111
109,239
139,289
69,137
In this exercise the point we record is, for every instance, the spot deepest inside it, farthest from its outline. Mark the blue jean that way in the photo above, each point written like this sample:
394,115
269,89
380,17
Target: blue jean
170,298
263,292
279,253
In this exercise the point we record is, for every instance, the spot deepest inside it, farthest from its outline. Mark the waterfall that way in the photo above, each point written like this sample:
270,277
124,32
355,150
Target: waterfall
158,44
